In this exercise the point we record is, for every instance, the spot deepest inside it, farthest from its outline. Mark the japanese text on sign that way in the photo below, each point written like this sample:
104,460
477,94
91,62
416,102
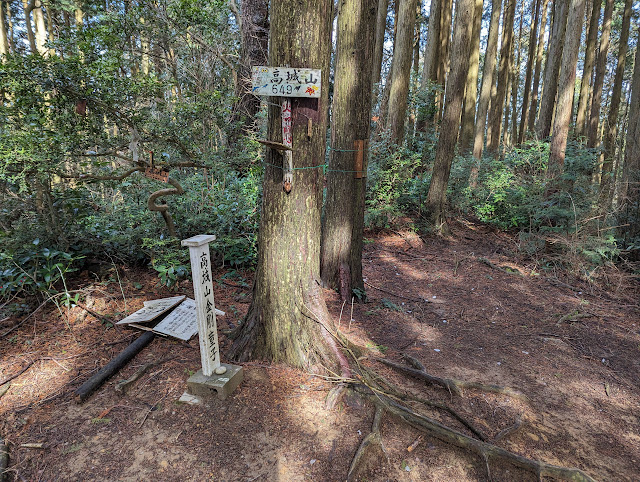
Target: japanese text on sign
286,82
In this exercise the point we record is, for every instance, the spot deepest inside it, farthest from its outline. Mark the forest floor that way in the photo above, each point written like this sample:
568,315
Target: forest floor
457,304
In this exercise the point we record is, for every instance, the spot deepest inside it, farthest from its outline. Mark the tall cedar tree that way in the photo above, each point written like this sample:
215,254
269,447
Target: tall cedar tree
587,70
611,127
566,86
552,68
442,67
381,28
445,149
287,315
341,255
533,109
471,89
593,136
401,72
430,64
254,15
529,72
630,186
485,90
497,107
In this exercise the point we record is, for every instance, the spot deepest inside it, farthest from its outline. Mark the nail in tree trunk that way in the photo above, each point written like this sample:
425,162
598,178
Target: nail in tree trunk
401,73
283,323
445,149
254,21
552,68
497,107
611,127
341,255
471,88
529,72
587,70
566,86
485,89
630,186
533,109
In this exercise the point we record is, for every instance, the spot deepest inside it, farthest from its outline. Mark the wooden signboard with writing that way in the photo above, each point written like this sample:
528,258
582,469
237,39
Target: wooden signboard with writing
286,82
157,174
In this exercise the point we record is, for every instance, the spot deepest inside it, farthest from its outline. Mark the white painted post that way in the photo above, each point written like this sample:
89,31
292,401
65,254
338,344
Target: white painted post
203,294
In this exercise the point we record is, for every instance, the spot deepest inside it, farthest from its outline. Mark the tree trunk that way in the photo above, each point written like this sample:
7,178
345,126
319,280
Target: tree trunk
565,89
533,109
485,90
630,186
593,138
4,37
287,312
254,21
471,88
587,70
497,107
401,73
381,28
341,255
445,149
28,6
430,65
611,128
442,68
515,82
41,30
552,68
529,72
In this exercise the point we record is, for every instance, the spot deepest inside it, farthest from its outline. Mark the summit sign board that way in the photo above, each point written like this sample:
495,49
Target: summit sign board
286,82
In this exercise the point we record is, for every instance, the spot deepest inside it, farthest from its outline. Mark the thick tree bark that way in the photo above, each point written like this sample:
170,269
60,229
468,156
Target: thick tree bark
445,149
565,89
471,88
401,73
529,72
611,127
254,21
497,107
485,89
552,68
587,70
630,186
533,109
341,255
593,138
286,319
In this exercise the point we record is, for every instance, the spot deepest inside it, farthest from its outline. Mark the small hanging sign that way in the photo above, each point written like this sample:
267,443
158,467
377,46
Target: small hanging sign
286,81
157,174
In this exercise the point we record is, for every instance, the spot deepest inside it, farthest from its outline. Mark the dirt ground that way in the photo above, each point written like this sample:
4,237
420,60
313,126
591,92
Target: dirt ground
468,307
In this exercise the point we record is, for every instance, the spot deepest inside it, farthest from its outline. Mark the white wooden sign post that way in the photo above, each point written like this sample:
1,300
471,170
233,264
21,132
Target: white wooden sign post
205,309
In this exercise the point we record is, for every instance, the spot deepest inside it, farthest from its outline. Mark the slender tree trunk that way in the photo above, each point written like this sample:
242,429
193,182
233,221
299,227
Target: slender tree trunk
566,86
287,313
4,37
515,82
533,109
442,69
485,89
28,6
254,21
598,81
381,28
341,255
430,65
401,74
630,186
529,72
414,75
587,70
445,149
611,127
552,68
471,88
41,30
497,107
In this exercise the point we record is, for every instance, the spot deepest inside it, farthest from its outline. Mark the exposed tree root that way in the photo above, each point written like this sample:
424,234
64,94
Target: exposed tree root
506,269
370,448
453,385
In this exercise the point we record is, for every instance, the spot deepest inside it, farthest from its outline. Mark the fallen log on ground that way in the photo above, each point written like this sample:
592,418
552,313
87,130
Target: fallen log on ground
87,388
